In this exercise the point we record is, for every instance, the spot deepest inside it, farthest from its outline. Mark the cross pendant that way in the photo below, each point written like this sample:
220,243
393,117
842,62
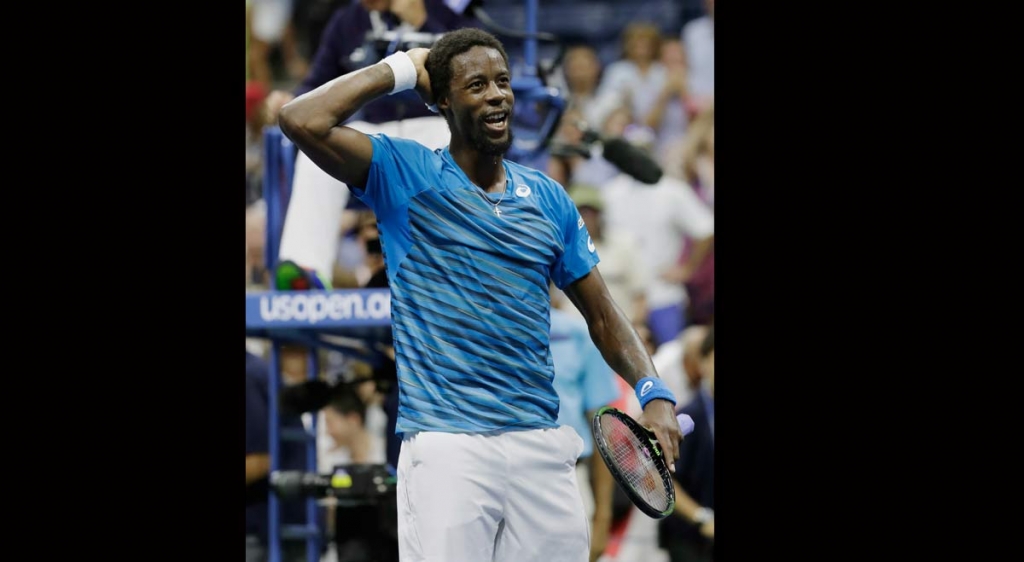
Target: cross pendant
497,211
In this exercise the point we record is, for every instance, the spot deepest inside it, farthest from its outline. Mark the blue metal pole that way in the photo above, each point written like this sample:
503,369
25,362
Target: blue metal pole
313,540
274,528
288,154
530,43
271,187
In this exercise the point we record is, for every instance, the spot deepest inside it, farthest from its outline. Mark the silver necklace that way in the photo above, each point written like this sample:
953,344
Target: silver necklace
497,211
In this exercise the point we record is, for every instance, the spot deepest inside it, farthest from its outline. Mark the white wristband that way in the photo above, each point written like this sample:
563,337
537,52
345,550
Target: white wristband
404,71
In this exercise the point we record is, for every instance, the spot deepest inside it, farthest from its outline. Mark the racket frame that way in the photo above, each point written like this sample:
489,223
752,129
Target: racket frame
647,441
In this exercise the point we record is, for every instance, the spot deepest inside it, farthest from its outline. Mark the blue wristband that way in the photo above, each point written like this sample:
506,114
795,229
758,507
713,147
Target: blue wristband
653,388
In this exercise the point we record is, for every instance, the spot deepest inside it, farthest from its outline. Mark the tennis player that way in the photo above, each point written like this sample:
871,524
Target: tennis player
470,241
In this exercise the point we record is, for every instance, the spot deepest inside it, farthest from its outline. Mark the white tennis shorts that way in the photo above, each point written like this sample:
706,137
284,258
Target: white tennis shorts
507,497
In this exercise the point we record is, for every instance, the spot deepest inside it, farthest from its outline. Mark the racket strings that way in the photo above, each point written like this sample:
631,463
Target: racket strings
635,463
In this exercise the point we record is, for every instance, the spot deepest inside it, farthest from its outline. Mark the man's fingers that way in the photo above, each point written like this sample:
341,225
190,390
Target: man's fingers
673,451
668,446
674,435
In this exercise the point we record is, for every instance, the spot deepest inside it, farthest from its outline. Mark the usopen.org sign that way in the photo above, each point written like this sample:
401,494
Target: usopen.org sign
352,307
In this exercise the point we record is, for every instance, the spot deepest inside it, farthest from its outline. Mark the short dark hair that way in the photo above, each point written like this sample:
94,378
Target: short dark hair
344,400
449,46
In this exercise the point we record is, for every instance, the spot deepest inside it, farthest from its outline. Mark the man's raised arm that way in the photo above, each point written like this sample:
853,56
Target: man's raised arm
314,120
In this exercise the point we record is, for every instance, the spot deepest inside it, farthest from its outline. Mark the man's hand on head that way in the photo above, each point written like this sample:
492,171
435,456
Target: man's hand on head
419,60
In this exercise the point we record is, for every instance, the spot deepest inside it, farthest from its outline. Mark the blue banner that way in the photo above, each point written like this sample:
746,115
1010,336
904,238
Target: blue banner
318,309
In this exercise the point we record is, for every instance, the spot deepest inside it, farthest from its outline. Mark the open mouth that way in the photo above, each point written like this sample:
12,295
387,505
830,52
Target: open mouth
496,122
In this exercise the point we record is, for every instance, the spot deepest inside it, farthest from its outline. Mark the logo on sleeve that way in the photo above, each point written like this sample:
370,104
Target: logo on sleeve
590,245
579,223
522,190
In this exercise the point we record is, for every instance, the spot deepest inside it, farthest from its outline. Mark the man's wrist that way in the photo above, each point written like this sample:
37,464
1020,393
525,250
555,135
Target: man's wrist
652,388
403,69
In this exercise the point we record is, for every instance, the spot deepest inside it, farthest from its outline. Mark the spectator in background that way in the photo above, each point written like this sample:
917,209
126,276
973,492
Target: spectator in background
667,116
313,220
359,255
254,94
620,257
637,79
271,29
255,245
344,424
581,74
581,70
362,538
584,384
689,533
678,362
698,37
697,167
588,166
257,467
697,156
662,217
385,393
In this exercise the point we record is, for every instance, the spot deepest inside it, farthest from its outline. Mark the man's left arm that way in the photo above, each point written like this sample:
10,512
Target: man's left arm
625,353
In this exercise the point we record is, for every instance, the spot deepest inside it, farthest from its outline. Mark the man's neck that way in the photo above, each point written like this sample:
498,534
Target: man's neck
484,170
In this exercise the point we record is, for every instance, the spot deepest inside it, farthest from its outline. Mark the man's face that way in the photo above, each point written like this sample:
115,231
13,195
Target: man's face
673,54
480,98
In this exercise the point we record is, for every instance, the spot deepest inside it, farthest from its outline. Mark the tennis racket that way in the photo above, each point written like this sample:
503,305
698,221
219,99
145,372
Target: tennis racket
636,461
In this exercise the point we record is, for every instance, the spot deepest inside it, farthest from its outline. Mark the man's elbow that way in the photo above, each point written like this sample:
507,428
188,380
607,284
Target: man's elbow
290,121
304,124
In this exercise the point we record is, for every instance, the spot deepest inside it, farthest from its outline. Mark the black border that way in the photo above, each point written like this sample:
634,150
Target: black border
146,177
808,285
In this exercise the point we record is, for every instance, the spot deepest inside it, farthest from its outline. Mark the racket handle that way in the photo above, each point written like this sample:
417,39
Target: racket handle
685,424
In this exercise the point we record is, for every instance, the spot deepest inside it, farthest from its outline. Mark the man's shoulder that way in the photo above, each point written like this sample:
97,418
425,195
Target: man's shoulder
532,174
404,146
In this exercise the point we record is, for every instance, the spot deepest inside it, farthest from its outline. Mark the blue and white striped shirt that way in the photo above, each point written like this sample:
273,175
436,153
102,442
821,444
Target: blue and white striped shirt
469,287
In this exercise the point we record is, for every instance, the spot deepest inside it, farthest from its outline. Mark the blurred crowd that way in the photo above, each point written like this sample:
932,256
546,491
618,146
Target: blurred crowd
656,241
